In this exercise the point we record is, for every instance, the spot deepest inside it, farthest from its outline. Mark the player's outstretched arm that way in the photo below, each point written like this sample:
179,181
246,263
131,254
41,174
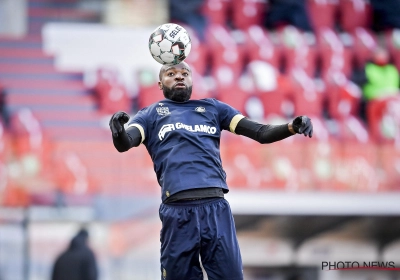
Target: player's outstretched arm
267,133
123,139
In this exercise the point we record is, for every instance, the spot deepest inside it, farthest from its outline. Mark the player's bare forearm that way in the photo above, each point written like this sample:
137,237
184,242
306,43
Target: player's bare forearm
127,139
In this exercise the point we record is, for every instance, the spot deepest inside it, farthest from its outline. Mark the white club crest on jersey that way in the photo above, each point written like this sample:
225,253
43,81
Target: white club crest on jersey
200,109
163,111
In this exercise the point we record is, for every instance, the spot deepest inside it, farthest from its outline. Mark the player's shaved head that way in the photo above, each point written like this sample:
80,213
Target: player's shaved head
176,81
182,65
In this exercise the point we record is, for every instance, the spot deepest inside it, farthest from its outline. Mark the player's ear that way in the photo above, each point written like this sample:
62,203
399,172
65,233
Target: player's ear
160,85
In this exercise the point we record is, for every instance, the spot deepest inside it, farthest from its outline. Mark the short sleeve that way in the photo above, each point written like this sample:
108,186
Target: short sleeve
140,121
228,116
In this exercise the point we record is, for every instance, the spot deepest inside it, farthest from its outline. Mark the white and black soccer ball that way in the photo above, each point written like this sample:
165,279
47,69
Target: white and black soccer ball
170,44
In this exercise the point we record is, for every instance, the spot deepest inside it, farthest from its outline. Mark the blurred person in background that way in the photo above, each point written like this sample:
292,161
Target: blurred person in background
386,14
379,79
288,12
3,106
182,137
190,13
77,262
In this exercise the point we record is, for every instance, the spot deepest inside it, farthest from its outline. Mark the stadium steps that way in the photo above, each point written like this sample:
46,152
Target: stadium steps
22,53
63,105
44,84
41,12
46,99
60,91
29,41
11,68
43,60
32,81
32,76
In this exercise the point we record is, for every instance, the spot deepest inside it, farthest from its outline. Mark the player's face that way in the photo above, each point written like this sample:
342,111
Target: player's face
176,82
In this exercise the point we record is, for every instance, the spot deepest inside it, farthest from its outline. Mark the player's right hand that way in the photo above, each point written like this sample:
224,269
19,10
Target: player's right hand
303,125
117,122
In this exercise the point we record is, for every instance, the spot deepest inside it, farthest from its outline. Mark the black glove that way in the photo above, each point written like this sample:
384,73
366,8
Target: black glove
117,122
303,125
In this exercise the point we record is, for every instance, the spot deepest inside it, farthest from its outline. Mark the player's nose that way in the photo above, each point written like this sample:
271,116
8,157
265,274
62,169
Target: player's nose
179,77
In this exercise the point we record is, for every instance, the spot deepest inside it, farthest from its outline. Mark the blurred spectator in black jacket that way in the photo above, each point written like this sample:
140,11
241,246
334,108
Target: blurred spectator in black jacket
4,114
78,262
386,14
293,12
189,12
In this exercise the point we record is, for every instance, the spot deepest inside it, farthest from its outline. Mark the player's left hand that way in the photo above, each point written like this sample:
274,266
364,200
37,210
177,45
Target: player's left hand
303,125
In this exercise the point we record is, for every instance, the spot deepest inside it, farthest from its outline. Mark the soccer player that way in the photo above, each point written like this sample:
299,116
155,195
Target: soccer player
182,137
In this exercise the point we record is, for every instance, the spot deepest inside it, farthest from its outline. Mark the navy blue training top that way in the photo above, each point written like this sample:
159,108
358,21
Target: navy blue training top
183,140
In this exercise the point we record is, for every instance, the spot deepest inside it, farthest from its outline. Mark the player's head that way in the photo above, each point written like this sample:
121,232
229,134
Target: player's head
176,82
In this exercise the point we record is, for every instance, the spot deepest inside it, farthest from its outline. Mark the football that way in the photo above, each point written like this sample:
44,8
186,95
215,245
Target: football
169,44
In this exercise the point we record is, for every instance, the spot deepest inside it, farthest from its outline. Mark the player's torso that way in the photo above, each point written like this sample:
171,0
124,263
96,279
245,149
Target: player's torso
195,121
183,141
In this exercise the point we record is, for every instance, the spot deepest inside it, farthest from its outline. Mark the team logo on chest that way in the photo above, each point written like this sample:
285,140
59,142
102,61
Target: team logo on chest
200,109
163,111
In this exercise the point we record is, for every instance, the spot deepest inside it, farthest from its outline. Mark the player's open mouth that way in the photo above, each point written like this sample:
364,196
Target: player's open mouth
180,85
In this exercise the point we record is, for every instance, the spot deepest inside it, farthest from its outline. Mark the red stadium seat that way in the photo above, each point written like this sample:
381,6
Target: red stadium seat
259,46
71,175
114,98
30,141
392,39
281,166
274,100
224,51
343,96
298,50
365,43
148,89
201,88
27,133
14,196
320,163
198,53
217,11
341,166
384,119
356,170
101,168
233,95
354,14
334,55
149,94
246,13
268,86
250,165
389,158
307,98
322,13
111,94
352,129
